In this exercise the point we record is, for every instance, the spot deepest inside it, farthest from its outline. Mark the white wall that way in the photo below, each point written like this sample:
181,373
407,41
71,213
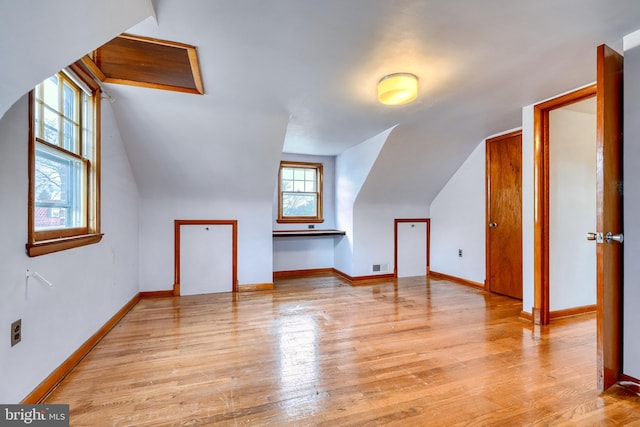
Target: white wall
328,190
91,283
374,234
458,221
631,246
527,204
352,168
572,207
304,253
157,215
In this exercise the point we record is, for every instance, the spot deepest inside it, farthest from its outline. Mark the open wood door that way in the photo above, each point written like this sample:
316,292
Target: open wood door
504,214
608,235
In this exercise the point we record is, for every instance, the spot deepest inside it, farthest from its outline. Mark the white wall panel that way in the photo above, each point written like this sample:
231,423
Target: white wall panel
206,259
302,253
458,221
91,283
631,246
572,208
412,249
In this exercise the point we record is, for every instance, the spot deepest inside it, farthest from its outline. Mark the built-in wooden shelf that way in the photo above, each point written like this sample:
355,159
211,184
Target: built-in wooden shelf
312,232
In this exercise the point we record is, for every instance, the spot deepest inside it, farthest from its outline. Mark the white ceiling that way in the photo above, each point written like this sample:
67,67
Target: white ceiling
300,76
318,62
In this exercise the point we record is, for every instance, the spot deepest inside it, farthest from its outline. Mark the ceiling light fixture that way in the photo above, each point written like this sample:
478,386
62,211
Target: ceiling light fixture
398,88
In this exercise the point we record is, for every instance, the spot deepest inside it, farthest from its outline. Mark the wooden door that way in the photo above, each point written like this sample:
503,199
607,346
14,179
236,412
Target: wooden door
504,214
609,215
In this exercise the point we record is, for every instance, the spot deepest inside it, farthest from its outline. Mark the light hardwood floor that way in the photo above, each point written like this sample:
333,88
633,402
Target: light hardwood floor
317,351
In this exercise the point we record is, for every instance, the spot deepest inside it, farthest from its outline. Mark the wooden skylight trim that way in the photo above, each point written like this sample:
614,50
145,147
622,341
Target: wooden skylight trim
140,67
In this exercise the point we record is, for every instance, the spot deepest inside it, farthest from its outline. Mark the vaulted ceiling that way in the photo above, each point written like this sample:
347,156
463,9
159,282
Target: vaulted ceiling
300,76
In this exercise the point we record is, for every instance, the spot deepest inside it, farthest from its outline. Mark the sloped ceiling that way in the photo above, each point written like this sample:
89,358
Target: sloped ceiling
39,38
300,76
314,65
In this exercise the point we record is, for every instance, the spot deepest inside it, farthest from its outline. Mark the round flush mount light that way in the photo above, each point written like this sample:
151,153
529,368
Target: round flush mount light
398,88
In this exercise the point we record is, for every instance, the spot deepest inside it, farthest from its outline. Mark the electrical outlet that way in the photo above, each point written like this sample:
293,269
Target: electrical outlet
460,253
16,332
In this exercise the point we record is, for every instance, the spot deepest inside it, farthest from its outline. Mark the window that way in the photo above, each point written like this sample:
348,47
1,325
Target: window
64,172
300,192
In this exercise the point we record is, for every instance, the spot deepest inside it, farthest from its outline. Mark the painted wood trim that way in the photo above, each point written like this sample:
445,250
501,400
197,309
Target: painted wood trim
574,311
156,294
437,275
176,244
541,185
256,287
50,383
288,274
396,222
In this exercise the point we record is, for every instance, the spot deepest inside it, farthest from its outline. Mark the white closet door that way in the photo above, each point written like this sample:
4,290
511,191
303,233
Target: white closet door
206,262
412,249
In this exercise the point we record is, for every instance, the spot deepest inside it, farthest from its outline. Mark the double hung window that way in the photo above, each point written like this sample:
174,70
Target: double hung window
300,192
63,164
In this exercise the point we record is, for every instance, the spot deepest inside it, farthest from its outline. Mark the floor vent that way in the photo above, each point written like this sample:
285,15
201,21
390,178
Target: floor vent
379,268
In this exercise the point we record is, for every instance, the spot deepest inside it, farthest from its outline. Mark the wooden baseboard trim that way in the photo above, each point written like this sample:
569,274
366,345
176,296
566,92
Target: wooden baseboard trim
156,294
289,274
364,280
437,275
526,316
353,280
342,275
52,381
256,287
575,311
630,383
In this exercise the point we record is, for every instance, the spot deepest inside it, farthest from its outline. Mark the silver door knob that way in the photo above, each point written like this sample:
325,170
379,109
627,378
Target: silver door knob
617,237
492,225
598,237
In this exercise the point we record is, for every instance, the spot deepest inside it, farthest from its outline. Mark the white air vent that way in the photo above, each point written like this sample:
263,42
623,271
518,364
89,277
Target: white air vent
380,268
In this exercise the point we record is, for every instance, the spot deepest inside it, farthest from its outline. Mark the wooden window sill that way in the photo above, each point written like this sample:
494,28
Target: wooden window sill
56,245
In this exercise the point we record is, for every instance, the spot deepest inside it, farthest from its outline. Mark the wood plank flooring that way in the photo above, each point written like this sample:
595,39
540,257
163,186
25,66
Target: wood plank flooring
317,351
